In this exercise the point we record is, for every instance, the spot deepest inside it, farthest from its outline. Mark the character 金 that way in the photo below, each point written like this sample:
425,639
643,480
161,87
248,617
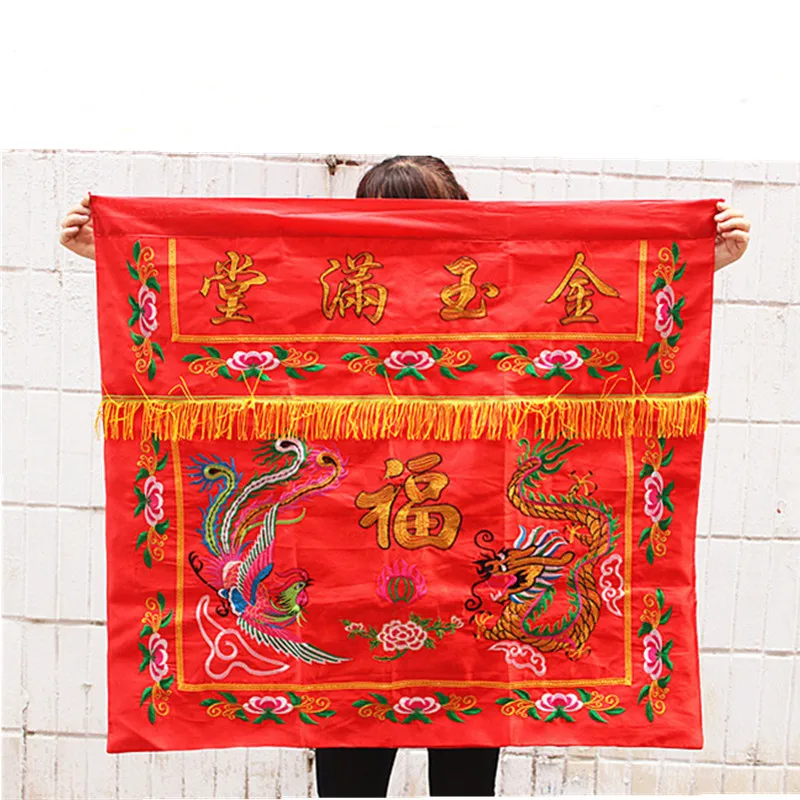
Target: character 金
578,284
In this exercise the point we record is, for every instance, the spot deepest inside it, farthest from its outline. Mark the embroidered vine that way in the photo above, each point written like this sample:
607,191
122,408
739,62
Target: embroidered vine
253,363
417,709
155,656
150,501
558,363
144,310
269,708
655,655
552,706
402,363
668,311
656,498
398,638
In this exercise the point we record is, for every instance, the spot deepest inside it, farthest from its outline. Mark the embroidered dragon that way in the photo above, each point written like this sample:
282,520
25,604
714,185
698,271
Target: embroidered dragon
238,531
523,577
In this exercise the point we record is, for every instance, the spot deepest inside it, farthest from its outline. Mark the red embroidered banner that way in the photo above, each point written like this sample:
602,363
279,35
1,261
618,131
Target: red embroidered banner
402,473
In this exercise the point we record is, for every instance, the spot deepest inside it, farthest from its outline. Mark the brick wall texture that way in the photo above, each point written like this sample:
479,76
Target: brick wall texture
53,589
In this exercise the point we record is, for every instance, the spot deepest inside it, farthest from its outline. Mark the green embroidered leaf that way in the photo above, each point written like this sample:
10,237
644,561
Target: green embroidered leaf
453,716
668,488
132,270
153,284
664,523
645,629
151,369
293,373
209,701
667,459
140,541
467,367
594,373
213,352
679,272
328,712
239,714
229,697
596,717
294,699
658,283
520,350
162,462
158,351
668,646
281,352
499,355
551,717
675,252
584,695
314,368
660,598
382,371
351,356
650,554
264,377
225,372
361,703
584,351
151,714
148,690
148,559
162,526
646,470
644,537
533,713
371,350
165,683
668,503
260,718
657,370
504,701
673,340
305,718
191,357
436,352
522,694
391,716
137,249
380,698
137,339
142,473
448,373
471,711
442,698
667,662
166,620
662,682
156,444
615,711
676,315
531,370
653,350
143,649
430,644
648,711
146,631
134,316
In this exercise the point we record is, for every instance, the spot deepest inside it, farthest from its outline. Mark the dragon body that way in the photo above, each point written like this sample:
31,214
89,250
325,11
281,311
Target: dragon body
523,577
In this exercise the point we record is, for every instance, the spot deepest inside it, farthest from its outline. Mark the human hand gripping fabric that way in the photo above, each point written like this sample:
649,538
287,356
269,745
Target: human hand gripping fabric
77,232
733,235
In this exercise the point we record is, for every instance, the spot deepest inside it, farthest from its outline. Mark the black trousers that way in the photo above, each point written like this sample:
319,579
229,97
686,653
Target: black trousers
365,771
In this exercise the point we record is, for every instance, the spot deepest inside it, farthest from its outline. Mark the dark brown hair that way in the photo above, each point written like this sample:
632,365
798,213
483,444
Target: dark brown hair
412,177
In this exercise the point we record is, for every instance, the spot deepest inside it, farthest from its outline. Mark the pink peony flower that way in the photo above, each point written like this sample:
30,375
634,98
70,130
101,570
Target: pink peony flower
397,635
665,300
401,359
154,505
422,705
456,622
401,583
653,505
157,645
355,627
243,360
653,665
277,705
552,701
548,359
148,312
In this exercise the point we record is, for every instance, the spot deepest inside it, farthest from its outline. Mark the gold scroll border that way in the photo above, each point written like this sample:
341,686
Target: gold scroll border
177,336
627,680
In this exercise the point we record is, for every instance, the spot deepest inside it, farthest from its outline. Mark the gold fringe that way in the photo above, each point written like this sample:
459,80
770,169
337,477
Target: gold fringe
419,418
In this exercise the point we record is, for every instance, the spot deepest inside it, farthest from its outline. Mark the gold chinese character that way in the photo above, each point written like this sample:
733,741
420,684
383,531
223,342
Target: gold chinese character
576,301
355,291
418,522
458,296
234,278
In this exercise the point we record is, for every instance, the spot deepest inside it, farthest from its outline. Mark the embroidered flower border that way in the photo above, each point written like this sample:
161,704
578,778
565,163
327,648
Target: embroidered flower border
655,654
668,311
144,310
150,501
656,498
155,656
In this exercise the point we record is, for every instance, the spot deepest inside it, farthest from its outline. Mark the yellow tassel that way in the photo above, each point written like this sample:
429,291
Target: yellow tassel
418,418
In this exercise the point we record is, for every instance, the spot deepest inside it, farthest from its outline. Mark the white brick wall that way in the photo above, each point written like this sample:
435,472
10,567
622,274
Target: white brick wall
53,551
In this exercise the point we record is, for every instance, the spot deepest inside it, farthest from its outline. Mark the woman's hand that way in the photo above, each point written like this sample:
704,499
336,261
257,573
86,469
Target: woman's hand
733,235
77,233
